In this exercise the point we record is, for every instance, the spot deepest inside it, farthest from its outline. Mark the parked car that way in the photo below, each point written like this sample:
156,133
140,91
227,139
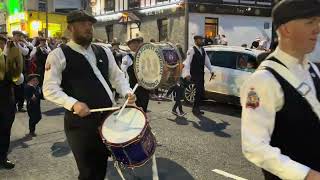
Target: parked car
232,66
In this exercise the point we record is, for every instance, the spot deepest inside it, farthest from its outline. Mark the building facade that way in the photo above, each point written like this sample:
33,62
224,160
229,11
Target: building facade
161,20
241,21
29,16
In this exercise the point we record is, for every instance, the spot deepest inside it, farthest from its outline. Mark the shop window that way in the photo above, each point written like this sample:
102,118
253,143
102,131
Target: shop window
211,27
42,5
109,5
109,31
134,30
163,29
134,4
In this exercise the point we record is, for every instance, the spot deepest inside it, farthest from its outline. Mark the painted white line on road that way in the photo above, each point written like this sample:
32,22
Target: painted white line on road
223,173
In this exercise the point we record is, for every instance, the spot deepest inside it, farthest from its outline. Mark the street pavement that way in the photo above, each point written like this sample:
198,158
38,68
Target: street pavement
188,147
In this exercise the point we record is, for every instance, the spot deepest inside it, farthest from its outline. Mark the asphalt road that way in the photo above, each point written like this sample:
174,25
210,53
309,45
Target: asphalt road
189,147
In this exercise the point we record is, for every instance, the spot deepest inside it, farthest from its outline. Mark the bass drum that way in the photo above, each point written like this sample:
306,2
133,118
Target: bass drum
157,65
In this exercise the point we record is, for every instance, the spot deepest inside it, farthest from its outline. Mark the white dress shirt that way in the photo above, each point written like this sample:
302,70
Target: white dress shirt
258,123
187,62
126,63
56,63
45,50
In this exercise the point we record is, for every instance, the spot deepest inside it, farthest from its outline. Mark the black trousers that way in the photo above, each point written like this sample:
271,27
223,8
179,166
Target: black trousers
34,116
199,83
177,105
89,151
269,176
7,116
142,98
19,95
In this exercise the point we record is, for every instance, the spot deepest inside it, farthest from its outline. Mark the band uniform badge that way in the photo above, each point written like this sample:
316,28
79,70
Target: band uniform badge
253,100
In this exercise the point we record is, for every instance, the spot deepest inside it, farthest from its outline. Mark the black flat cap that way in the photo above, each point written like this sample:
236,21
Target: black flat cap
32,76
198,37
288,10
17,33
80,15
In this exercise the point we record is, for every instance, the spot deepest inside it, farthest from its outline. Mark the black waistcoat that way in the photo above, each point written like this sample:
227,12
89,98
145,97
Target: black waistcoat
297,127
79,80
132,77
197,64
41,61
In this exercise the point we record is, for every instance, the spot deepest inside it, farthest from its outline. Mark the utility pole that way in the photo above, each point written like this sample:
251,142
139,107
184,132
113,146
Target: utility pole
47,23
186,25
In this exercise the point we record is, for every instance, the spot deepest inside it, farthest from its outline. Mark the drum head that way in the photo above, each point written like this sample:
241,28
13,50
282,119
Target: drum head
129,125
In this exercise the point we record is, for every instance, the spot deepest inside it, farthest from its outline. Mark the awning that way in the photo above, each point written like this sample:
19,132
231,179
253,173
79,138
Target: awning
129,17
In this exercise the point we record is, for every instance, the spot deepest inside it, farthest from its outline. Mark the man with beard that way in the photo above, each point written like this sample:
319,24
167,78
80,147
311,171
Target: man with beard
78,77
193,70
127,67
280,126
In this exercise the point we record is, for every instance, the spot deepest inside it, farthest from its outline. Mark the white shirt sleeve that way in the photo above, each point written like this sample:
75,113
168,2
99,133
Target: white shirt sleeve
257,125
187,63
33,52
52,90
116,76
126,62
23,48
208,63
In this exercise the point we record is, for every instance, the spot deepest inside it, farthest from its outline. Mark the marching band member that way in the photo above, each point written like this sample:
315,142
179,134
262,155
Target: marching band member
127,67
280,126
7,107
78,77
193,70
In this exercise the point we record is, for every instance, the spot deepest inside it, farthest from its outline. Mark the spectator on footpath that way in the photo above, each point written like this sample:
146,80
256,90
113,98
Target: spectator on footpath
224,40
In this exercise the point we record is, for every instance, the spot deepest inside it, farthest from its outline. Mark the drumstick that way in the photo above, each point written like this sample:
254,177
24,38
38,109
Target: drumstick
125,104
102,109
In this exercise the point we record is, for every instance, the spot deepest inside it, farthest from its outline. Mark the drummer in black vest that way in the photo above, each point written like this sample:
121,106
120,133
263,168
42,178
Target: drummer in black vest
280,128
7,110
79,76
193,70
127,67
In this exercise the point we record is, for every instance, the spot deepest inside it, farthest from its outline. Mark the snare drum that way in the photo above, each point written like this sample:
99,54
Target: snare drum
157,65
129,138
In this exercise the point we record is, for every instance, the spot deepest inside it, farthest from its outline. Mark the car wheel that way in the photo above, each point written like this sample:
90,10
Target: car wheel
190,93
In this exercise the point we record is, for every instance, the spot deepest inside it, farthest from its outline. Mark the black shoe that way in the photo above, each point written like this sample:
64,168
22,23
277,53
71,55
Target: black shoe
22,110
6,164
197,112
32,134
174,112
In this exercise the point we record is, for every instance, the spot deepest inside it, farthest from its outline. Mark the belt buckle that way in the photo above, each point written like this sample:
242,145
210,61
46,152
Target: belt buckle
303,89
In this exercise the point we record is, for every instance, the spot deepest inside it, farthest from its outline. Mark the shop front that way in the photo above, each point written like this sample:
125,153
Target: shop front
30,22
240,24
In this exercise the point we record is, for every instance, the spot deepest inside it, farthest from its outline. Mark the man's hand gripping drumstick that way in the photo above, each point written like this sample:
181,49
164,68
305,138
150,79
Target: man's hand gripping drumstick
82,110
131,98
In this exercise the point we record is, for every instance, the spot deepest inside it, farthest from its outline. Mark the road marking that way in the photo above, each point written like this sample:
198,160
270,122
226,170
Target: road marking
223,173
